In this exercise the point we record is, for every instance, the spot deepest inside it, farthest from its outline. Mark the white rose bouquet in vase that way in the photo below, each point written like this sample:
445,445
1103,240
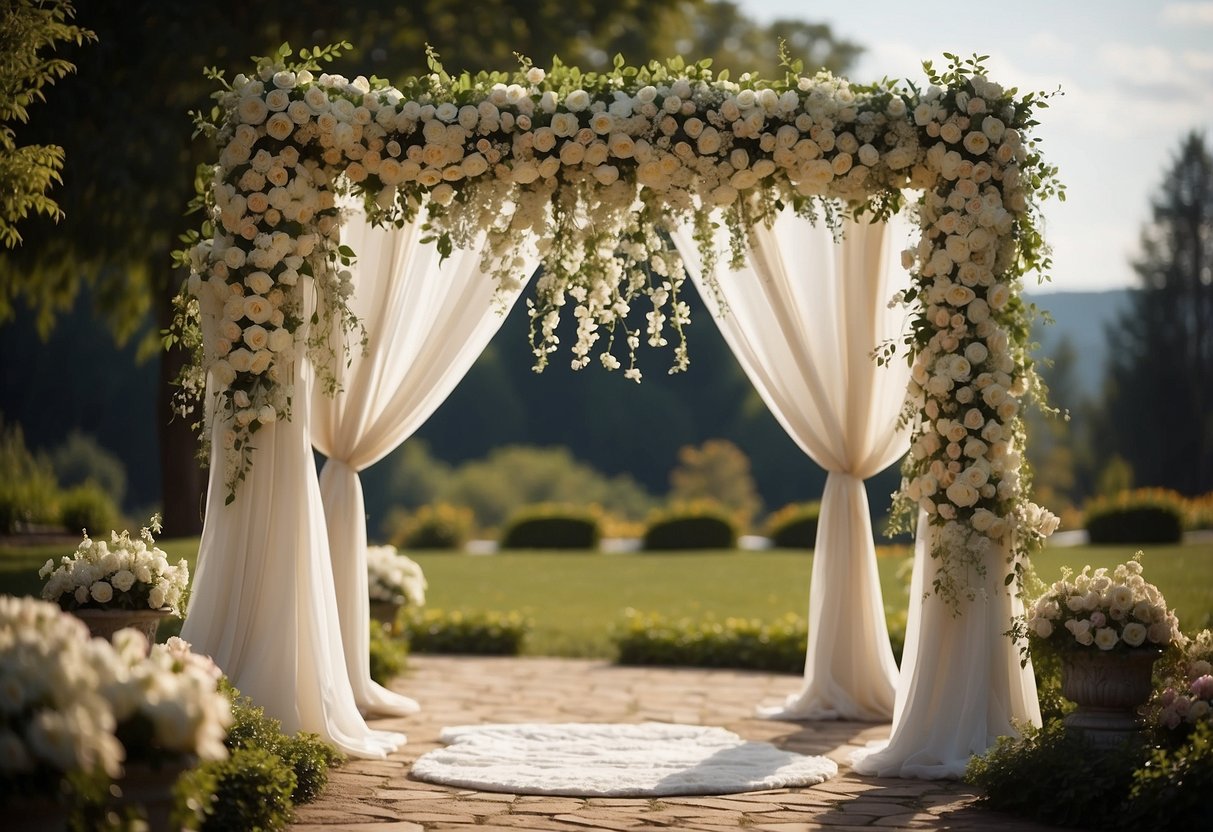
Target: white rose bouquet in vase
123,583
1108,629
394,581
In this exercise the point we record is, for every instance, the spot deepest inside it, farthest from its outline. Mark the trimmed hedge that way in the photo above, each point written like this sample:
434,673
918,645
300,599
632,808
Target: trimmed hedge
485,634
436,526
548,526
794,526
1152,515
388,655
701,525
88,506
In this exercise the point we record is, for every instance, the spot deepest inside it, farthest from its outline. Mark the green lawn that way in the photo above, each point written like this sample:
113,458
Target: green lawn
574,600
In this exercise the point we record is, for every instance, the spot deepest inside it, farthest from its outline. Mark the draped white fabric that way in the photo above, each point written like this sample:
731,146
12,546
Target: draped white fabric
962,685
426,323
804,318
262,603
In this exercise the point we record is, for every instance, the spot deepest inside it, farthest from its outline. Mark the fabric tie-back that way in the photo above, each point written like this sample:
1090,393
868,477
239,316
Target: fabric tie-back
426,321
262,603
803,318
962,682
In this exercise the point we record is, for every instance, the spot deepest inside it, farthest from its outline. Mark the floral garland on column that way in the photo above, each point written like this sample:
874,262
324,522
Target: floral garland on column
589,170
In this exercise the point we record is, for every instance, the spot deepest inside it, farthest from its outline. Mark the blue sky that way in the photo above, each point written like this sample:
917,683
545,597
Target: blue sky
1137,75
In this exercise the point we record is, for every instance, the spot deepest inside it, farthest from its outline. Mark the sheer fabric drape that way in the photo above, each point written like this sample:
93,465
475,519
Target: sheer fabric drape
803,318
262,601
426,322
962,684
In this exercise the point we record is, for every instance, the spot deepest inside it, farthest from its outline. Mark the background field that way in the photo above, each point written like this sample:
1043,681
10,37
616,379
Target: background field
575,599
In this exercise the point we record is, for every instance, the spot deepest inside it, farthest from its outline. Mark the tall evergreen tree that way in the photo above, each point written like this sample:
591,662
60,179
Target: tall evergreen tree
1157,413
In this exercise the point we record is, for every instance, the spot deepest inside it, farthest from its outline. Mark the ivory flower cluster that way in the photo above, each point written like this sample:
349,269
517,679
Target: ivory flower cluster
67,702
970,372
125,574
393,577
1186,695
1102,611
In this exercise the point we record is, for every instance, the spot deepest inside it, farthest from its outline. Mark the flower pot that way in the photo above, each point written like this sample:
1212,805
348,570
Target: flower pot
104,623
151,788
1108,688
385,613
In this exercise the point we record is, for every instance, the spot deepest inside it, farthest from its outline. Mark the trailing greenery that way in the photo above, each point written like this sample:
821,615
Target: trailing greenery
750,644
1151,515
435,526
485,633
553,526
794,526
702,524
388,655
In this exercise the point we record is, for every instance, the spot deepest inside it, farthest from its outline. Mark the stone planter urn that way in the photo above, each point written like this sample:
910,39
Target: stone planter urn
150,788
104,623
1108,688
385,613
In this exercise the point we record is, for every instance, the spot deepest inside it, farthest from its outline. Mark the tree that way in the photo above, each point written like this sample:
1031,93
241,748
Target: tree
716,470
124,126
1157,409
29,29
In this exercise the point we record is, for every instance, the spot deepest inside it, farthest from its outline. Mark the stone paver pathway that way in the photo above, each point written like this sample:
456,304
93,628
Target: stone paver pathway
378,796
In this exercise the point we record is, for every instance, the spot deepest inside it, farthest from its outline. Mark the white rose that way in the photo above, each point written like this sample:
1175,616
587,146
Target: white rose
280,339
261,361
252,110
977,143
962,494
223,374
1106,638
257,309
123,580
267,415
279,126
606,174
577,100
1134,634
1043,627
101,592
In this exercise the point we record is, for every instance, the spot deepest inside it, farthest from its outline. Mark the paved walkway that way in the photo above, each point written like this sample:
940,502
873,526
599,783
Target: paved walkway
378,796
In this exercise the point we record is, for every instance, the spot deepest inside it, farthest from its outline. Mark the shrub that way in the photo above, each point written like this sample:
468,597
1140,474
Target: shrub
717,471
1055,776
435,526
305,755
1151,515
252,792
794,526
1174,784
699,525
29,494
738,643
88,506
1200,512
551,526
388,655
487,633
81,459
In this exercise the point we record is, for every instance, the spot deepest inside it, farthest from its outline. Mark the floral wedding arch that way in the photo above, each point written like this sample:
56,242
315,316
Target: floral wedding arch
589,174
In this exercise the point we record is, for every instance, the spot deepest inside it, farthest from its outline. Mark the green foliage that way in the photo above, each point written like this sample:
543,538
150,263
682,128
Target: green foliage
388,655
30,33
717,471
435,526
1055,776
1173,786
1151,515
81,458
88,506
28,492
748,644
485,633
252,792
305,756
553,526
794,526
701,525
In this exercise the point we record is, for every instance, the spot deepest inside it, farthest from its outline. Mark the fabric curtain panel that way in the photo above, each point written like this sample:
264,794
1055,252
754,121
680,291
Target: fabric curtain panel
803,318
426,321
262,603
962,682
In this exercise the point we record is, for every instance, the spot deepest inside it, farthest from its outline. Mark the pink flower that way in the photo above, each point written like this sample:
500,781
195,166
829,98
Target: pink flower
1202,688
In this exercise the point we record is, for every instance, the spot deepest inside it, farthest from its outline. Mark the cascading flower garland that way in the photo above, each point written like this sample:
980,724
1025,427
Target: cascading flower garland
588,170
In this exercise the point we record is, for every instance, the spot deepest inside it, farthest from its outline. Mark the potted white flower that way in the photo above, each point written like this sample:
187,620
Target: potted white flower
90,711
1107,629
123,583
394,581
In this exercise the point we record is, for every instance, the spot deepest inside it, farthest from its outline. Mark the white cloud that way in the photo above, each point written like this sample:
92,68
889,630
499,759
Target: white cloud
1188,14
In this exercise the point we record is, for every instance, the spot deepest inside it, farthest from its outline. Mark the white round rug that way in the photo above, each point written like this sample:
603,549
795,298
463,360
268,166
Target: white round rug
613,760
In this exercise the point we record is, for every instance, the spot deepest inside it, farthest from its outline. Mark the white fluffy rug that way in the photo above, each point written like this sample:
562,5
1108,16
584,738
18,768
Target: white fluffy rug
588,760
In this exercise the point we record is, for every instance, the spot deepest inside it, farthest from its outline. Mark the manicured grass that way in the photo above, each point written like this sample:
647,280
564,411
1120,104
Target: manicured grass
574,599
